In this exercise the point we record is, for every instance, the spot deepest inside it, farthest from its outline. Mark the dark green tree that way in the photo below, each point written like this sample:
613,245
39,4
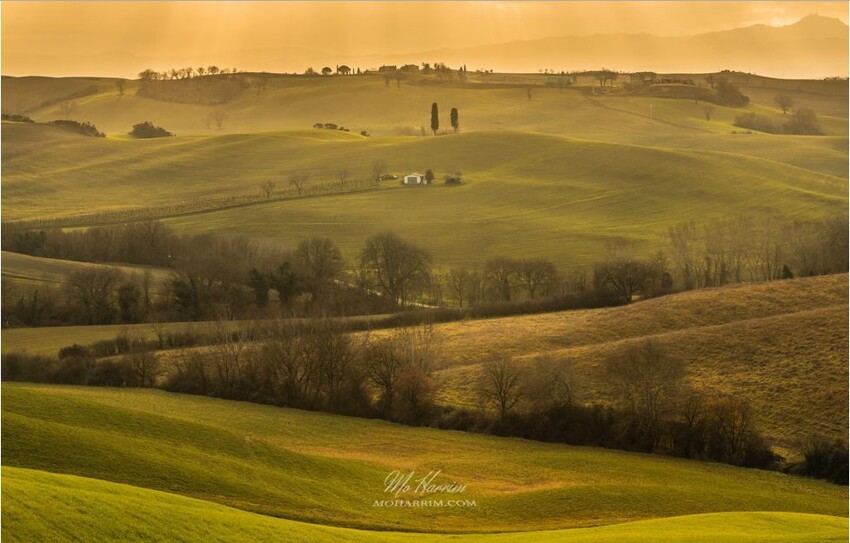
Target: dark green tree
455,122
260,284
286,282
435,118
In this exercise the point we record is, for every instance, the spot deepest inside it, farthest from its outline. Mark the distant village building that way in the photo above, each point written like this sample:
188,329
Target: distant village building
388,68
415,179
644,78
409,68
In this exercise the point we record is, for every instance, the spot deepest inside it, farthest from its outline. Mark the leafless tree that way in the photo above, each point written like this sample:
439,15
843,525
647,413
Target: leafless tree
120,84
551,383
626,277
145,367
535,275
500,274
297,180
707,110
399,268
378,169
500,385
319,262
95,293
648,381
267,188
342,176
67,109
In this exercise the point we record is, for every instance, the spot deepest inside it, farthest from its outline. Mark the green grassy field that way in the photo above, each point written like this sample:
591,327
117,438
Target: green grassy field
567,196
570,170
329,469
50,507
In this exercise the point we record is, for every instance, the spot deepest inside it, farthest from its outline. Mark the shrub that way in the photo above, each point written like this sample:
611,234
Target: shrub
148,130
84,128
16,118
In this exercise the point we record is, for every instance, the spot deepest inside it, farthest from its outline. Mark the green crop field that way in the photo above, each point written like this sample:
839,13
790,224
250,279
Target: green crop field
33,496
329,469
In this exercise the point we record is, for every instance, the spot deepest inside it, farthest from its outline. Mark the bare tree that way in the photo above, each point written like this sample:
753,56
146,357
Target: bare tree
625,277
458,280
267,188
342,176
707,110
297,181
67,109
551,383
318,261
535,274
218,117
145,367
500,385
378,169
500,274
95,293
120,84
399,268
648,381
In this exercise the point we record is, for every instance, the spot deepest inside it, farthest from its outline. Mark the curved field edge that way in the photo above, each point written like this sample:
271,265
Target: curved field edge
329,469
52,507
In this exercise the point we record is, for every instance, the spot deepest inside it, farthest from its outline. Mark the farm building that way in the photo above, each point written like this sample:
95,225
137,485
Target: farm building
415,179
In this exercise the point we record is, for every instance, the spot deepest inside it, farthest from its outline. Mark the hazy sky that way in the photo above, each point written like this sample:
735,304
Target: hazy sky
36,34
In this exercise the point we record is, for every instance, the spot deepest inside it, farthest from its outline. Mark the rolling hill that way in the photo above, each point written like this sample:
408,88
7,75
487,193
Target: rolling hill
329,469
60,508
566,195
740,340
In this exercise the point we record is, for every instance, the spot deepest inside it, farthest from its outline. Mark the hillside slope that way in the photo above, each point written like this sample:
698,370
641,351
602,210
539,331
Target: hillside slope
567,196
60,508
780,345
329,469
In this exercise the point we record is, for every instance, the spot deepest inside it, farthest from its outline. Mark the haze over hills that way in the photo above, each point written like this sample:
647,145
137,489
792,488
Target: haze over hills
812,48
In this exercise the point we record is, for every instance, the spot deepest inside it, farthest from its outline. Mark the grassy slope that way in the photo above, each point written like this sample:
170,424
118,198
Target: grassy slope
744,340
49,507
329,469
52,271
564,194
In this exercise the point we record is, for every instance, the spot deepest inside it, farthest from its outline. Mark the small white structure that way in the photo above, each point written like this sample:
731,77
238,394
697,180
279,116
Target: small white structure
415,179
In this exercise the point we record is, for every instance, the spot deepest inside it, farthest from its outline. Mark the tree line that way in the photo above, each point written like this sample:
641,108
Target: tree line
211,277
320,365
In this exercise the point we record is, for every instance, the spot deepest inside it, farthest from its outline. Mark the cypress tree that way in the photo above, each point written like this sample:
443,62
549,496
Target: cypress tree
435,118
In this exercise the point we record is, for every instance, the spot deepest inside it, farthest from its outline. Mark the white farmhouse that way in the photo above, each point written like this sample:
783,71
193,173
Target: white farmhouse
415,179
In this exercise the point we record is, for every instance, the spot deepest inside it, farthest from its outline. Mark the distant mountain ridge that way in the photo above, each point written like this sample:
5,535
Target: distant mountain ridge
812,48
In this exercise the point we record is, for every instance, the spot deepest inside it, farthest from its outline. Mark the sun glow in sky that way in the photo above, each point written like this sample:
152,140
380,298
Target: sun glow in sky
120,38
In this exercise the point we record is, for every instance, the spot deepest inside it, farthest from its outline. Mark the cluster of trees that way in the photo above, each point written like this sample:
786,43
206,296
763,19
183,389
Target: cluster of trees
147,129
803,122
736,250
84,128
203,85
654,411
728,94
187,72
435,119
